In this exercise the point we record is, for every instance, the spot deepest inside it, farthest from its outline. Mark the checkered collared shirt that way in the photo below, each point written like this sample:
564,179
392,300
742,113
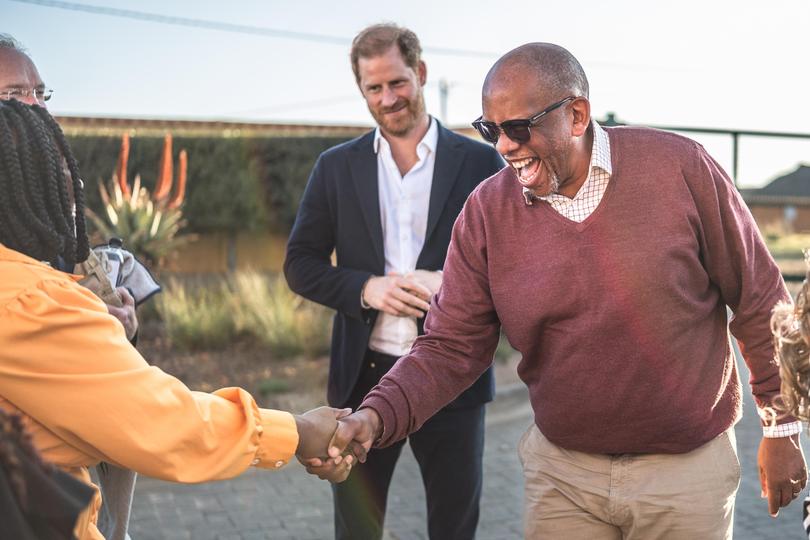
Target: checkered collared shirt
587,198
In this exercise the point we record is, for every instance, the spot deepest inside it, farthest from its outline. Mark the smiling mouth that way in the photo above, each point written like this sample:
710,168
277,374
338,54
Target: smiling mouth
527,169
396,108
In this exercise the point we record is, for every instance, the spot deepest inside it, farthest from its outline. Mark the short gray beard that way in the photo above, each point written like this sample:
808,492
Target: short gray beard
554,183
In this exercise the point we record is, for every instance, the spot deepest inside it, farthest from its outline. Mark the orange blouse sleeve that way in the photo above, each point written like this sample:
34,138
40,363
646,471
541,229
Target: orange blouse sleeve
65,362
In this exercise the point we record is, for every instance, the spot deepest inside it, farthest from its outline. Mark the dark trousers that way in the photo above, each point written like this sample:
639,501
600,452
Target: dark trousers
449,449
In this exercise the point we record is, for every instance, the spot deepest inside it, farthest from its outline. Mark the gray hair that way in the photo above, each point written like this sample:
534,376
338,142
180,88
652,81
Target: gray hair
7,41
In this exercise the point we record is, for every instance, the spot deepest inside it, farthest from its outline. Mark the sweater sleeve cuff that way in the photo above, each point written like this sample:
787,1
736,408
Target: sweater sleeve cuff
279,439
387,408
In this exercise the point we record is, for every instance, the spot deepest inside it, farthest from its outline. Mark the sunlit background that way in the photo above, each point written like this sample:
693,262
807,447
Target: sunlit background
697,63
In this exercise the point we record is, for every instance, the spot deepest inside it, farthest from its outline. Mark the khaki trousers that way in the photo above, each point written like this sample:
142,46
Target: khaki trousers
573,495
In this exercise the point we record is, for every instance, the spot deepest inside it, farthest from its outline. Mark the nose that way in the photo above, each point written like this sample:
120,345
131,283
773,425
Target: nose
29,98
389,97
505,145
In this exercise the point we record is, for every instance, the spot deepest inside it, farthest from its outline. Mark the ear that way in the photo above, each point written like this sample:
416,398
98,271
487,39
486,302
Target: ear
421,72
581,109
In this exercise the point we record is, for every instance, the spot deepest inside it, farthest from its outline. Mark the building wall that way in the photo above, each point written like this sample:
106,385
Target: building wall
219,253
778,218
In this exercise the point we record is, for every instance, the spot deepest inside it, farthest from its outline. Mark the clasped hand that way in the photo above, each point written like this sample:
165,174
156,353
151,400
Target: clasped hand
350,442
316,429
402,296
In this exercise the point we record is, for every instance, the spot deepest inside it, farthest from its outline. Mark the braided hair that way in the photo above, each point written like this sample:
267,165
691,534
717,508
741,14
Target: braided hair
15,443
36,217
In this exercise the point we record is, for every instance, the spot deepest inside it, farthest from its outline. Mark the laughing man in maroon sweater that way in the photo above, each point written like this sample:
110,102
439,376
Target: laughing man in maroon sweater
608,257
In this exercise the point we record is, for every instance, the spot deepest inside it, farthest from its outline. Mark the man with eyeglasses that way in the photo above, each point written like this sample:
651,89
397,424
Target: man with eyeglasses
19,77
385,203
607,256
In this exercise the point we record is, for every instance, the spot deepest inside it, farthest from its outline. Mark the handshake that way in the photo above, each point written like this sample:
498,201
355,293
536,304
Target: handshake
331,440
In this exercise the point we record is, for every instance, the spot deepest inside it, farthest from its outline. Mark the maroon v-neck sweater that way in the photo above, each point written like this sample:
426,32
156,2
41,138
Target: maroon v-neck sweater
620,320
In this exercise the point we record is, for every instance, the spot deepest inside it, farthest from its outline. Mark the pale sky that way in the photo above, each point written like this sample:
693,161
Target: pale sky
704,63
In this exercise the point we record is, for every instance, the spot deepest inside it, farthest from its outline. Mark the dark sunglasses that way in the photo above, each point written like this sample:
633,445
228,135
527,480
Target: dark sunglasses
517,130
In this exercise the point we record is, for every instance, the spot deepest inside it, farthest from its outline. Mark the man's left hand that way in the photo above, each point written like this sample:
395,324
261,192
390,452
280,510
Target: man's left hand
327,469
125,313
432,279
782,471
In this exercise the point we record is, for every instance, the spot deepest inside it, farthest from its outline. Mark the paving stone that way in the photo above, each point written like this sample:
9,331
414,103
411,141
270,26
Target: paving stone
229,536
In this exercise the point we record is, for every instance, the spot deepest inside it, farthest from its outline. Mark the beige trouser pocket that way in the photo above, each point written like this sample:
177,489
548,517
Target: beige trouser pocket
574,495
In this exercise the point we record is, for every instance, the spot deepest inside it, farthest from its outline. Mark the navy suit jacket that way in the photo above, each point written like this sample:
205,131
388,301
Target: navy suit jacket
340,211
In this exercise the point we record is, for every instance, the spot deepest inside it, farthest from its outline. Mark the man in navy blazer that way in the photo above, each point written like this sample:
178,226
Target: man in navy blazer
385,203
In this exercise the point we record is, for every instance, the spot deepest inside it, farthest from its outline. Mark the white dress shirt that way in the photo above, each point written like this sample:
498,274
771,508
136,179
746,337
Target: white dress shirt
590,194
404,202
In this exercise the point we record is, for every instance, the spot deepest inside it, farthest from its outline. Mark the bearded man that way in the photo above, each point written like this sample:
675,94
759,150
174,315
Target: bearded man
385,203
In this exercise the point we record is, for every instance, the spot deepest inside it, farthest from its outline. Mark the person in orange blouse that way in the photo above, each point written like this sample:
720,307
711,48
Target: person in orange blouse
84,392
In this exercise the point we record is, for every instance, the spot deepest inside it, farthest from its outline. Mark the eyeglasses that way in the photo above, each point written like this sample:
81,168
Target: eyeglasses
37,94
517,130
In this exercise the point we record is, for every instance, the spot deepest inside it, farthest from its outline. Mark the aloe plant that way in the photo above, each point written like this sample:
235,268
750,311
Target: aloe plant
147,223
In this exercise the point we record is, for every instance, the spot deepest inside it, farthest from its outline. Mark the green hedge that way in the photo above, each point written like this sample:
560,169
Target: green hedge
234,184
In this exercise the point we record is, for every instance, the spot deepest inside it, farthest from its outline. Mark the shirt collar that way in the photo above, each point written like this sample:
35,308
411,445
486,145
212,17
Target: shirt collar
600,154
430,141
600,157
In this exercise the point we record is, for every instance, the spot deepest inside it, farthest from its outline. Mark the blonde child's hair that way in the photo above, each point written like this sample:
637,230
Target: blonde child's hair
790,325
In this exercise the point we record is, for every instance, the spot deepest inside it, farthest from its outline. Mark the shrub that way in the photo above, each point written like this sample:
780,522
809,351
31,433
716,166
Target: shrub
239,183
268,387
196,318
267,310
788,246
245,305
147,223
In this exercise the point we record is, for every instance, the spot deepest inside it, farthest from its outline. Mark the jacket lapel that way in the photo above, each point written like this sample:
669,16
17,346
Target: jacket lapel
363,166
449,156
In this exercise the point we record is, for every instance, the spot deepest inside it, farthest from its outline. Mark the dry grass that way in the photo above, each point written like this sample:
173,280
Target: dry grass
245,306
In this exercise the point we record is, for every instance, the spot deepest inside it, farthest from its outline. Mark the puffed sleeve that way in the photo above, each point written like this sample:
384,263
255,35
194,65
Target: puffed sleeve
65,362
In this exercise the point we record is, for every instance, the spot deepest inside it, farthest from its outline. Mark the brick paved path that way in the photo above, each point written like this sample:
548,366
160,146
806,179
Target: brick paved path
289,504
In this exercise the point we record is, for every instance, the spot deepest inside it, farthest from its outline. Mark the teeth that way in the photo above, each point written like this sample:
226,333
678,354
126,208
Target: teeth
526,176
521,163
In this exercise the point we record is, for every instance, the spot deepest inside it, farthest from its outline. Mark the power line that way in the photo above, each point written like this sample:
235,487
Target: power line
265,31
229,27
298,105
289,34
